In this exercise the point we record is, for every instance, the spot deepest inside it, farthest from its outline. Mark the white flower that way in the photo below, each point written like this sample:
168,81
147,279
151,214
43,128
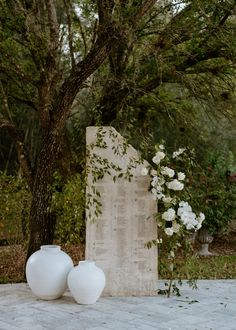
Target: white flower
199,225
167,171
200,219
178,152
161,147
172,254
169,231
153,172
157,193
157,181
183,204
175,226
167,200
158,157
169,215
201,216
175,185
144,171
183,207
181,176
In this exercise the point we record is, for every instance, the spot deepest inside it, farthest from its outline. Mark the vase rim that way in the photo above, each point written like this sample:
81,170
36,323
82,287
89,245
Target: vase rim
86,262
50,248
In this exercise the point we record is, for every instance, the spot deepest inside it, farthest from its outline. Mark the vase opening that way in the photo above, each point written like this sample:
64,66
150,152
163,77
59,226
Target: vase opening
50,248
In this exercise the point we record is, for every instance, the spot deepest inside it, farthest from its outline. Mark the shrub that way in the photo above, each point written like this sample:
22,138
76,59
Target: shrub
15,201
69,206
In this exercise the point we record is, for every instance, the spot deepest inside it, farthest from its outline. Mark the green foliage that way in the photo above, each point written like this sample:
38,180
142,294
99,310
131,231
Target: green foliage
69,207
213,193
14,207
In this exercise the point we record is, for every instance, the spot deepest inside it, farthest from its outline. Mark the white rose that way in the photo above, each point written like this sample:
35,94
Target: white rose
184,207
167,171
153,172
169,231
181,176
183,204
169,215
167,200
178,152
201,216
158,157
175,226
175,185
190,226
144,171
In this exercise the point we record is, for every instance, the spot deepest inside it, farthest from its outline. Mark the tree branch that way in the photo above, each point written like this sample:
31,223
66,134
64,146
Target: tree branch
53,25
142,10
70,34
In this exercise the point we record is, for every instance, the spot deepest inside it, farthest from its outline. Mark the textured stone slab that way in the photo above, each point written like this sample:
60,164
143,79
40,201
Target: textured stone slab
116,239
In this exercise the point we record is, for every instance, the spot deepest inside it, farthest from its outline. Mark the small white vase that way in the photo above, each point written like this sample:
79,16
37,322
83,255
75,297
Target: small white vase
86,282
47,270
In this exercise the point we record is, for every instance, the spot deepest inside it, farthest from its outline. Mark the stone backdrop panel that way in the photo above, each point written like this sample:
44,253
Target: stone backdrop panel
115,239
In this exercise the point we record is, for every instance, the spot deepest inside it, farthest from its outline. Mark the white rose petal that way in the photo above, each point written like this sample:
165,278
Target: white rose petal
178,152
169,231
175,185
198,226
167,171
158,157
169,215
153,172
167,200
202,216
181,176
175,226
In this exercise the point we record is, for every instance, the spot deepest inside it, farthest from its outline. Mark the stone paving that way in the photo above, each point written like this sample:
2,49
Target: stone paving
212,306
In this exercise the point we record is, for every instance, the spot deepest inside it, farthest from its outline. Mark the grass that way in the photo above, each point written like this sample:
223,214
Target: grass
223,266
12,261
211,268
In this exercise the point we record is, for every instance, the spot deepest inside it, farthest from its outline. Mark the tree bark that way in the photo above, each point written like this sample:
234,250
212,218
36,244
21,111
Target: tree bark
42,219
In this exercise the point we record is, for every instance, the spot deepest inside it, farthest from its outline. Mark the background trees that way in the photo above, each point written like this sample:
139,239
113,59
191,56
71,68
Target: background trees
149,67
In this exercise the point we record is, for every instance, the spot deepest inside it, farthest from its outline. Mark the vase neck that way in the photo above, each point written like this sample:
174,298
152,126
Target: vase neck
50,248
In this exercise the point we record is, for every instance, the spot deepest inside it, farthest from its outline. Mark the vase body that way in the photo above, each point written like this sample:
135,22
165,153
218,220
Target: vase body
47,271
86,282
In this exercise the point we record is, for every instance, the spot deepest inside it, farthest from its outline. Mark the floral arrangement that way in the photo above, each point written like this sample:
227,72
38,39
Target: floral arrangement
175,215
166,184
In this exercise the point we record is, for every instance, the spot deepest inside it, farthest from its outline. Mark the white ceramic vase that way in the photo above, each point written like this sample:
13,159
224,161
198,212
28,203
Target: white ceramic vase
86,282
47,271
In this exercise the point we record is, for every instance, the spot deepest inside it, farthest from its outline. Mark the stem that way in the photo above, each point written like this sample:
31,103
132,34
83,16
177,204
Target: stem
170,286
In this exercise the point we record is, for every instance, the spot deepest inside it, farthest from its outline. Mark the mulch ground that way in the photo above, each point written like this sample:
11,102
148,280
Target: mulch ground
12,257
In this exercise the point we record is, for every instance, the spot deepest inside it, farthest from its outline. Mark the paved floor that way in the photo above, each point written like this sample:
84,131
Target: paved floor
212,307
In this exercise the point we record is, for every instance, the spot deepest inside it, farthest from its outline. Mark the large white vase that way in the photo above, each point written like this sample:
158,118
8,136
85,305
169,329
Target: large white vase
47,271
86,282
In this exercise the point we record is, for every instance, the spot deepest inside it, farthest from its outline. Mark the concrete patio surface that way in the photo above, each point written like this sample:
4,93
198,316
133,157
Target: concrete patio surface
212,306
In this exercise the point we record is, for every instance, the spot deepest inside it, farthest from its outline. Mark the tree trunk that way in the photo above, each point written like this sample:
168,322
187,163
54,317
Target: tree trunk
42,220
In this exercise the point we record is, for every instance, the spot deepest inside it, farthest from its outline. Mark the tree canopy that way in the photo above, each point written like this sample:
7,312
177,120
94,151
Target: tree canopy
126,63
